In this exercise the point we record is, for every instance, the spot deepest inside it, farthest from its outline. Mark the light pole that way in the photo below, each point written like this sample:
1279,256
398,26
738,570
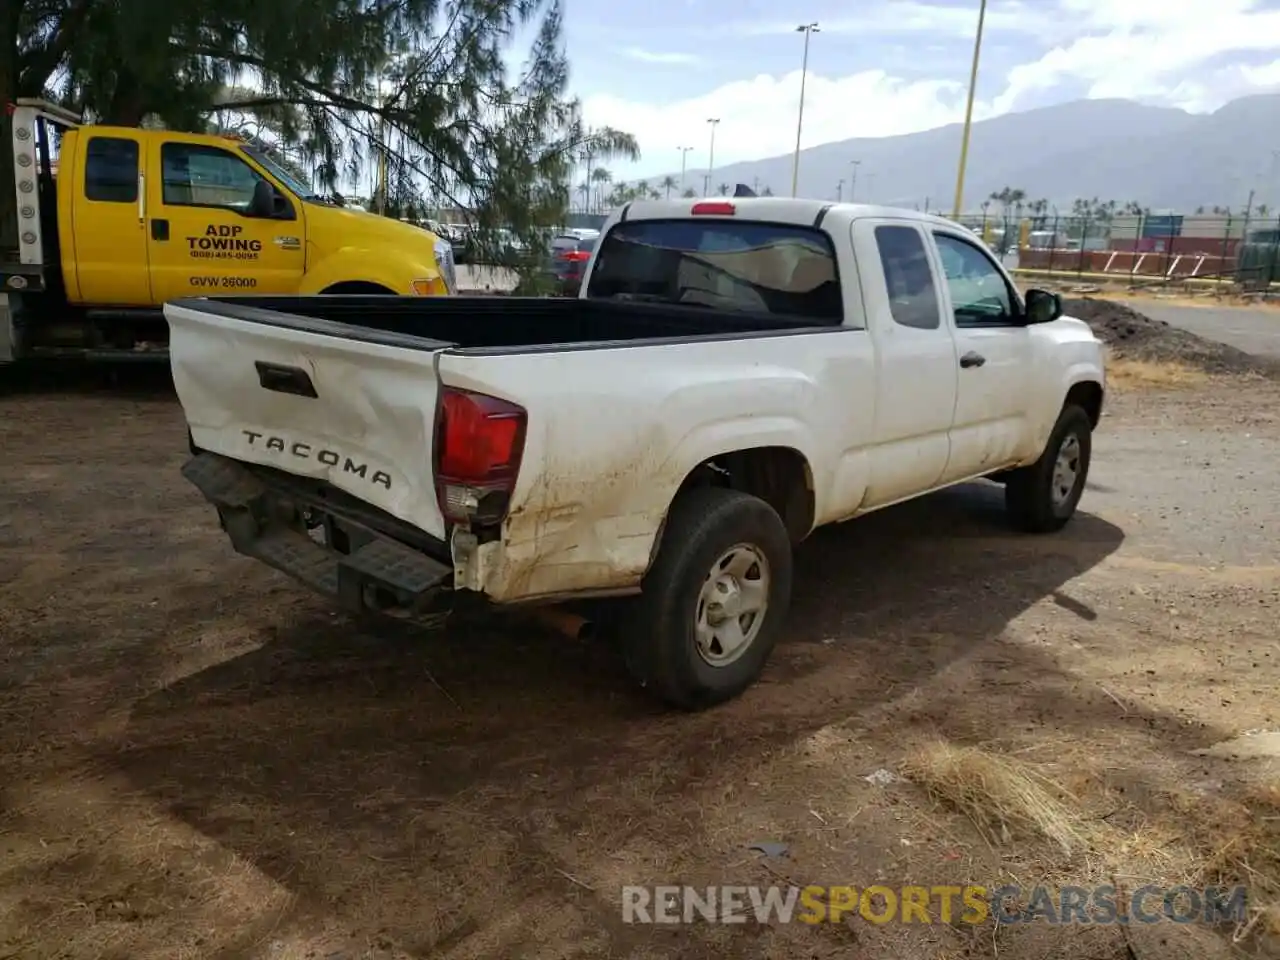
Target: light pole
853,178
711,157
968,112
839,189
806,29
684,161
1275,166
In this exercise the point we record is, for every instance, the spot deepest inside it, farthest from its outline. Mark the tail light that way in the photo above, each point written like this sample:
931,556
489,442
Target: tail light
479,442
575,256
713,208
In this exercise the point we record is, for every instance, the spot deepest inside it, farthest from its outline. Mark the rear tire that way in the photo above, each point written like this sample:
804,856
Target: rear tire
1042,497
714,601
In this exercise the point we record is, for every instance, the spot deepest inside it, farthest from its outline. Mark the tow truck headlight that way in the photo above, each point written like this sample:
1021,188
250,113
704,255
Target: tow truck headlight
444,263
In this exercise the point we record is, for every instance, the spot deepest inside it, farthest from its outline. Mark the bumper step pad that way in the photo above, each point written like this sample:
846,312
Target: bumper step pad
380,567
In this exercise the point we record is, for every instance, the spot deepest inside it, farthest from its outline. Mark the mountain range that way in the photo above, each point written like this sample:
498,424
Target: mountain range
1159,157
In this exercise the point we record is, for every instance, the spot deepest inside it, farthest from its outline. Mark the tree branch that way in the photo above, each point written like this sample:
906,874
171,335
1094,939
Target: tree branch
43,61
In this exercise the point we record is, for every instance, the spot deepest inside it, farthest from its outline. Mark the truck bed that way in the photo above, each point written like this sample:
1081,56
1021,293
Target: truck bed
497,324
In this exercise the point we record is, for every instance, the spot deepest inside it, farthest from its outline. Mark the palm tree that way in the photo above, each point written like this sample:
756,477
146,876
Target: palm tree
767,191
601,178
1263,209
1038,209
1010,200
723,189
689,194
668,184
642,188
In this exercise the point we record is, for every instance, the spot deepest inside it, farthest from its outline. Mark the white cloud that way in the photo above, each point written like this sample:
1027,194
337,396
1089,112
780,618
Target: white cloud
1154,51
658,56
758,116
1173,52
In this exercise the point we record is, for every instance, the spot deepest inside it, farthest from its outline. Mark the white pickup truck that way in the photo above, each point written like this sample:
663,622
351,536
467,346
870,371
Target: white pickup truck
735,374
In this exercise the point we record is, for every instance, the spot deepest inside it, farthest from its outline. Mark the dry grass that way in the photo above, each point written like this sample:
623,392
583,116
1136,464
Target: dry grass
1202,841
1125,373
999,794
1240,844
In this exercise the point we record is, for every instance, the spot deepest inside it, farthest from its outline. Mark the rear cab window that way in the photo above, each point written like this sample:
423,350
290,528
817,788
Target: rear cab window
908,278
722,264
111,170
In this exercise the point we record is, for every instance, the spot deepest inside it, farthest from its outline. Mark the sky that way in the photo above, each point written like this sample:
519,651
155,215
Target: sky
660,68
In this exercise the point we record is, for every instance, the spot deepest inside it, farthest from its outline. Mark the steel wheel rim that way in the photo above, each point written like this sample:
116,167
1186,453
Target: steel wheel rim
732,605
1066,470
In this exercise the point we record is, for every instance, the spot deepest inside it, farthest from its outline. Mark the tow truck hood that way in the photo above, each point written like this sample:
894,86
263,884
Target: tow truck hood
344,227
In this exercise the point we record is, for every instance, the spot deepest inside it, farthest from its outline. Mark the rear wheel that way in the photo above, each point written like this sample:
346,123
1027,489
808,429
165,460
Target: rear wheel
714,601
1042,497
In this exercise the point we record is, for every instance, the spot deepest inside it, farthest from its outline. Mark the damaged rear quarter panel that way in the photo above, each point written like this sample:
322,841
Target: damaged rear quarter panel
612,434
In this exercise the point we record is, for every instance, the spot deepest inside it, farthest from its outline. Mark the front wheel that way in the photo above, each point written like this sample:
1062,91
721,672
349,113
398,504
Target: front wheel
1042,497
714,602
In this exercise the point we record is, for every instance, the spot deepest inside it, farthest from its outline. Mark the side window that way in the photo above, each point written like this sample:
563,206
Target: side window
913,298
979,294
199,176
111,170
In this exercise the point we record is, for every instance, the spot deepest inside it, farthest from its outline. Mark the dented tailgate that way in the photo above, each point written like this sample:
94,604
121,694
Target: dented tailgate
319,399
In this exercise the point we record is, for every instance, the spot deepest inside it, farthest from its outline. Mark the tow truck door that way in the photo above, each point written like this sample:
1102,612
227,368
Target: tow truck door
202,235
108,229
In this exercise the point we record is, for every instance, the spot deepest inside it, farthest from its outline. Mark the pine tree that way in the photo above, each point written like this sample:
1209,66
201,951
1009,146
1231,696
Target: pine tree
423,80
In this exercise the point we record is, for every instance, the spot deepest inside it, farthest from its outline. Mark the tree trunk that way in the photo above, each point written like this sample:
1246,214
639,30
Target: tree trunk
127,107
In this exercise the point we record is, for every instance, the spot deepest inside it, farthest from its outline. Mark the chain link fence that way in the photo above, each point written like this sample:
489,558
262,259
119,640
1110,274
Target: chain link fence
1149,248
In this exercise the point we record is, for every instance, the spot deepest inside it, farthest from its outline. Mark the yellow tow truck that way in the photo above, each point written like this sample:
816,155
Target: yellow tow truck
115,221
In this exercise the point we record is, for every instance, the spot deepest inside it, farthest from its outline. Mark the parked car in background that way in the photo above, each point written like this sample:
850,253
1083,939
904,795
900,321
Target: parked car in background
570,254
460,240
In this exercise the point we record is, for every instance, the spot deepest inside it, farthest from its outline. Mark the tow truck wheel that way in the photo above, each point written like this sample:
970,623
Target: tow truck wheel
714,601
1042,497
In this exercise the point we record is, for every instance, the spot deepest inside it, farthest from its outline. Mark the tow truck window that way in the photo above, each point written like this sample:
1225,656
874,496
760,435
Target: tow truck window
198,176
729,265
111,170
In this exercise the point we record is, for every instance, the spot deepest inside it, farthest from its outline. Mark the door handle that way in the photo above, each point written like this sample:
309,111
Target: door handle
281,379
159,229
972,359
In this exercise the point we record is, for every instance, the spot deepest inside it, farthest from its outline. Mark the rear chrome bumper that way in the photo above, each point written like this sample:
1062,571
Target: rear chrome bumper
298,531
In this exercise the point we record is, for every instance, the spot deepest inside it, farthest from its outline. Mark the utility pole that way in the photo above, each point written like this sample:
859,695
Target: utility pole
807,29
840,190
684,160
1275,166
586,181
713,122
958,207
853,178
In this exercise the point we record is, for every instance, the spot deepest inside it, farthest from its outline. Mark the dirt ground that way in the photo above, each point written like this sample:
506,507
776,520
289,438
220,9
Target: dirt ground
199,759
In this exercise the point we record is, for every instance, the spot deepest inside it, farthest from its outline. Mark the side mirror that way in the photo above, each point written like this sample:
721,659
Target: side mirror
1042,306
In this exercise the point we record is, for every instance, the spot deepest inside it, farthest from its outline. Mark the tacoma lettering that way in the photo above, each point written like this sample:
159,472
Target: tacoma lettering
330,458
